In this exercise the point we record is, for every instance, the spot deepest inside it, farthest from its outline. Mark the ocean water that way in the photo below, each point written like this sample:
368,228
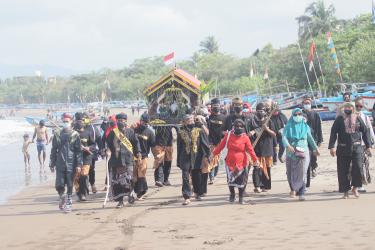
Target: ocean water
13,175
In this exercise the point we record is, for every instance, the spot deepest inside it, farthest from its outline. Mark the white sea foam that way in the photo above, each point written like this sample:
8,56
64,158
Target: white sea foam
12,130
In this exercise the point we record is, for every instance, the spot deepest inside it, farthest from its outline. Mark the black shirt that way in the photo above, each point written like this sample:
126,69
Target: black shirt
279,122
267,142
163,136
87,140
146,139
216,128
348,143
315,124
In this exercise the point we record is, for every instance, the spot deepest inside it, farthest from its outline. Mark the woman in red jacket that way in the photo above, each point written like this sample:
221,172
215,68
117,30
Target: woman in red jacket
238,144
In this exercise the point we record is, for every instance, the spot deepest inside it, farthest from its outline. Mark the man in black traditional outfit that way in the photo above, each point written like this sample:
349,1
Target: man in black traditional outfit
349,130
279,121
88,147
192,148
237,114
264,149
66,158
123,146
163,152
146,139
216,133
315,124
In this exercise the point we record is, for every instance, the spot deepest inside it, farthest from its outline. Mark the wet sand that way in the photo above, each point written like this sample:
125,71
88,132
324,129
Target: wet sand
31,220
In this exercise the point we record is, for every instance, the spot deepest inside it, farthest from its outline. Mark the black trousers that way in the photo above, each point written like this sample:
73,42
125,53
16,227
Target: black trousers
312,166
260,180
159,174
240,191
92,173
186,189
276,154
167,170
344,163
204,182
196,177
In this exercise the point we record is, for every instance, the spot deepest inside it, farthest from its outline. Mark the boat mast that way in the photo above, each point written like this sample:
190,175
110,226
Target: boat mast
304,66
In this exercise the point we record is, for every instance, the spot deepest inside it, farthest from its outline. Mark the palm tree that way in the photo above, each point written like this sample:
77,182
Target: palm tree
317,18
209,45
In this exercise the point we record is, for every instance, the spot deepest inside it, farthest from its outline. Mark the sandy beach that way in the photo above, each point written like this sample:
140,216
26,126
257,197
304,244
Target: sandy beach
31,219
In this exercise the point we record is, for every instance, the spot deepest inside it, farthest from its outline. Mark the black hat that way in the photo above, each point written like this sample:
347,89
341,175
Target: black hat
145,117
260,106
215,101
121,116
78,116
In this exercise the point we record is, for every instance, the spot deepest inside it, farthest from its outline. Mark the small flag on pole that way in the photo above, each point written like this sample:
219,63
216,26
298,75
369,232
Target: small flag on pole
311,56
373,12
168,59
331,46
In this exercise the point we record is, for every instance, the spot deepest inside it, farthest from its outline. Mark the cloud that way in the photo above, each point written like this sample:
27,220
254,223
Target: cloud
90,34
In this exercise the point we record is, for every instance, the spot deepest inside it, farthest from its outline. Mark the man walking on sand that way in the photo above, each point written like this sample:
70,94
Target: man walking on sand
66,158
41,135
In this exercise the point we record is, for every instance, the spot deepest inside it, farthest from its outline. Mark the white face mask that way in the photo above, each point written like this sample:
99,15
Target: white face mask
66,125
307,106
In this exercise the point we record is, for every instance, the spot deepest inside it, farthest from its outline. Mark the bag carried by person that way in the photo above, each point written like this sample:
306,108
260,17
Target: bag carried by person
299,152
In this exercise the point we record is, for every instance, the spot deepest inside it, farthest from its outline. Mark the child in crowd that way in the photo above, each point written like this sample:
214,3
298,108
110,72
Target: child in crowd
25,150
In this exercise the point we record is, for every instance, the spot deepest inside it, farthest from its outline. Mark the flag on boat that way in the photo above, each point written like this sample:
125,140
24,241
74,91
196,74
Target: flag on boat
373,12
168,59
332,48
311,55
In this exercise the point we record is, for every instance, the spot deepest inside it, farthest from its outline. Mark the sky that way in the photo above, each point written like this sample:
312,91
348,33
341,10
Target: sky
87,35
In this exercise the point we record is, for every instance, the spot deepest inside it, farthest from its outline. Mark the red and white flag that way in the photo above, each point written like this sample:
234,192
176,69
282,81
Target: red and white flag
311,55
168,59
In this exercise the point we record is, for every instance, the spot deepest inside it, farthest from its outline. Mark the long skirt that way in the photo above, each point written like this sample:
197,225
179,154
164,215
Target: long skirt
237,179
296,171
122,182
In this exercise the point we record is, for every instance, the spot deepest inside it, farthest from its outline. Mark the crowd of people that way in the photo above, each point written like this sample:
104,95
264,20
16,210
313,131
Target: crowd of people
246,141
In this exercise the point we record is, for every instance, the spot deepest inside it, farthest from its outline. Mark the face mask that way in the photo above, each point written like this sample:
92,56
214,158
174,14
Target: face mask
198,124
238,131
142,126
78,126
298,118
307,106
348,111
86,121
215,109
237,109
66,125
261,113
121,125
190,126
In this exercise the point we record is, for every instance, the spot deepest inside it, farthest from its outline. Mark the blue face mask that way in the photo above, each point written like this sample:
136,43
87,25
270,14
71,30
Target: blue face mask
298,118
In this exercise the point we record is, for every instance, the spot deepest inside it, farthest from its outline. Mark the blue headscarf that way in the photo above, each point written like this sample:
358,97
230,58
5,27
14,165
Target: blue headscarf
296,131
